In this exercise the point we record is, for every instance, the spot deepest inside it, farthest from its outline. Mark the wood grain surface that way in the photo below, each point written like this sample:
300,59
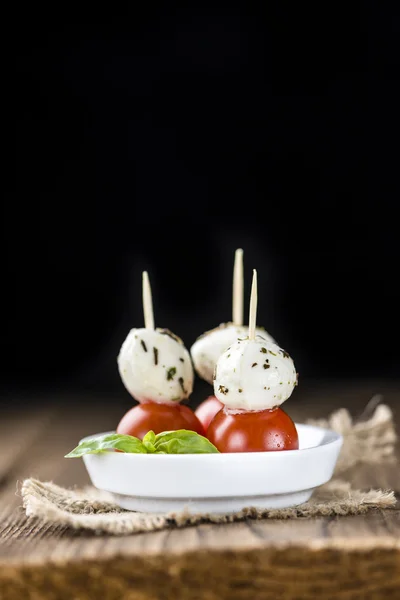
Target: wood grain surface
346,557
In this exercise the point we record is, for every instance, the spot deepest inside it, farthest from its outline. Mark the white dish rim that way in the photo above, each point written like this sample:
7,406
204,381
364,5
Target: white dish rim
333,438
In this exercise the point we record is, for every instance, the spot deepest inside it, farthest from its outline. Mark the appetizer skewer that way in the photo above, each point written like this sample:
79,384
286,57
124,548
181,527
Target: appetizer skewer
210,345
252,378
156,369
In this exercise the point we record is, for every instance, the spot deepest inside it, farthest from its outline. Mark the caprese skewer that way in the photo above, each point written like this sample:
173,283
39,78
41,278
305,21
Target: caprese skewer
156,369
210,345
253,377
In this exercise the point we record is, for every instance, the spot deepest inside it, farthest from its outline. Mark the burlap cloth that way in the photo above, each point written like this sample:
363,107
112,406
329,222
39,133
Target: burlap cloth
369,439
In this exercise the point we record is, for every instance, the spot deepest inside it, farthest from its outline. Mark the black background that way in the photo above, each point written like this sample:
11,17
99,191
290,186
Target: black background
163,141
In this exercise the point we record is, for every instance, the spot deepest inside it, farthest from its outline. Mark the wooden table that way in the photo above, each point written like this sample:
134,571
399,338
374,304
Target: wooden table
342,557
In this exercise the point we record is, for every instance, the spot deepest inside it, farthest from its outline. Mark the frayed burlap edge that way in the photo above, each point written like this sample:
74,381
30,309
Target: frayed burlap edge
94,510
370,439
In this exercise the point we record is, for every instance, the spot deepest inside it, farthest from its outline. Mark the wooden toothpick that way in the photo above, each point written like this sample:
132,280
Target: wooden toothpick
147,302
237,296
253,307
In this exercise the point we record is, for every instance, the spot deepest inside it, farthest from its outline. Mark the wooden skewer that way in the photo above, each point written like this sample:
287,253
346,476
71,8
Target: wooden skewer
147,302
237,296
253,307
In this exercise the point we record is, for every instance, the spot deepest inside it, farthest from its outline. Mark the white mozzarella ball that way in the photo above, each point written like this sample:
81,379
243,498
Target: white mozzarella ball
207,349
254,375
155,365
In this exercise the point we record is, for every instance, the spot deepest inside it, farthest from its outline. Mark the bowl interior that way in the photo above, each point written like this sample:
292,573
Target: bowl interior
310,436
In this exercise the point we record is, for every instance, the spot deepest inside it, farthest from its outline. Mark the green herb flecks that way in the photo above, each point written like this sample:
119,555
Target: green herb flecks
180,380
171,372
171,335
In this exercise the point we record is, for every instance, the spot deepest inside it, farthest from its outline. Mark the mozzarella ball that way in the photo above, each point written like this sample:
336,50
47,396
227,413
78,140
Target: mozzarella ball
254,375
208,347
155,365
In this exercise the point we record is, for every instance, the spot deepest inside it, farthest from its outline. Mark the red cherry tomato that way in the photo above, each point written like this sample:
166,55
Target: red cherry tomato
207,410
158,417
253,431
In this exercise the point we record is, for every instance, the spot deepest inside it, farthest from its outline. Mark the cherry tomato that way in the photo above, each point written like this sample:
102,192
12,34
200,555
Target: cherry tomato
253,431
158,417
207,410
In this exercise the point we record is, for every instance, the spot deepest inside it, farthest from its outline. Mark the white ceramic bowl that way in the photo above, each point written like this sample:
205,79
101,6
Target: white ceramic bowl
218,483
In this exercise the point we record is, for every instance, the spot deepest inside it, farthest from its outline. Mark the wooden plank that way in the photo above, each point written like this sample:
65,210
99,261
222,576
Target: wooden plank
266,573
26,541
380,529
56,430
19,429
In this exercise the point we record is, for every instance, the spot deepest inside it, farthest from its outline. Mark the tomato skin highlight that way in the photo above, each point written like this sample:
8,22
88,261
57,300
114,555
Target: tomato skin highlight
207,410
158,418
253,431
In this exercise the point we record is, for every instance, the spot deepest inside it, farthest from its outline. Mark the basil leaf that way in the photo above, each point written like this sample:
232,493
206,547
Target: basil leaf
183,441
114,441
168,442
148,442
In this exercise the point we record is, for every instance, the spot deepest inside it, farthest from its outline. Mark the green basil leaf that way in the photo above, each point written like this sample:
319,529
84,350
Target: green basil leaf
148,442
183,441
104,443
